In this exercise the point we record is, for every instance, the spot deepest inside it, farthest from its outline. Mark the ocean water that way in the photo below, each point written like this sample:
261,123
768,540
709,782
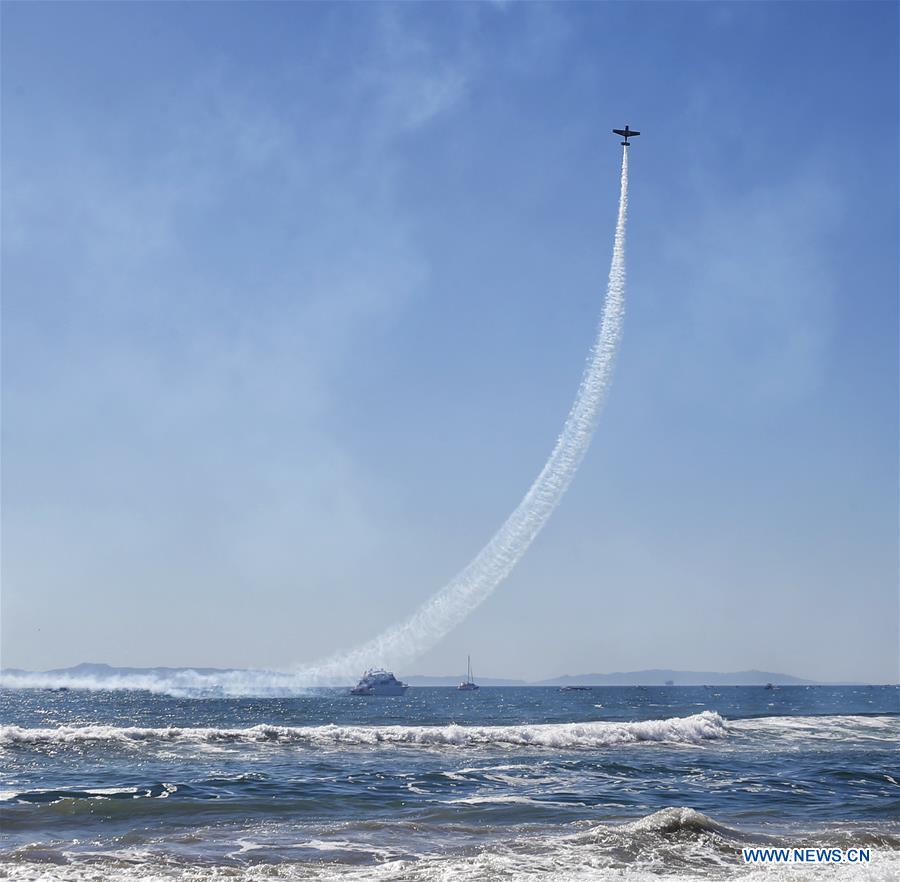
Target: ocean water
504,783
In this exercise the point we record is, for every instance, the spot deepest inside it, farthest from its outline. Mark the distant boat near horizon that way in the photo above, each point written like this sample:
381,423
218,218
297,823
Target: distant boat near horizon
468,685
377,681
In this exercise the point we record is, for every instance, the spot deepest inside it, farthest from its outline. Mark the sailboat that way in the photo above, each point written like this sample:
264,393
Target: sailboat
469,685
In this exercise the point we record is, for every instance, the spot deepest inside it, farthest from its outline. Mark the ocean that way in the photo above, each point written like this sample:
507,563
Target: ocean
505,783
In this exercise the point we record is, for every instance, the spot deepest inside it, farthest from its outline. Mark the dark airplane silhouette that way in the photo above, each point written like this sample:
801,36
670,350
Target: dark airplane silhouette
626,133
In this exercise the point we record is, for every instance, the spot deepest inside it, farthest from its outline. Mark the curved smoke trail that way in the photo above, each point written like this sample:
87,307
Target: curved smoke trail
449,606
458,598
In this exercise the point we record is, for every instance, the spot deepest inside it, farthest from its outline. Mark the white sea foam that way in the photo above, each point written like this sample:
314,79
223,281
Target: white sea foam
677,730
832,728
673,845
499,799
487,865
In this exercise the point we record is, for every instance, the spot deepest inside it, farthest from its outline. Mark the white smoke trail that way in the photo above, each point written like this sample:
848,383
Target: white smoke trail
448,607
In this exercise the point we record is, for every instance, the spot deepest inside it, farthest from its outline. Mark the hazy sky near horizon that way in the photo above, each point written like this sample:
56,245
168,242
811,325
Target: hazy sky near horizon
297,297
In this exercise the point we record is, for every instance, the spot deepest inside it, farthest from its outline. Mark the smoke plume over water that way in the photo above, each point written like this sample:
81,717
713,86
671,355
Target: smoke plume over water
403,642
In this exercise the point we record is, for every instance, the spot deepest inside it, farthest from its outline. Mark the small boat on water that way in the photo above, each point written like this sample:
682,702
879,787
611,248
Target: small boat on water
576,688
377,681
468,685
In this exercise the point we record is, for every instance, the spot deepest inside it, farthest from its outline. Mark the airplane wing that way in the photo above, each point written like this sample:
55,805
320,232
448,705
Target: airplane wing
630,134
621,132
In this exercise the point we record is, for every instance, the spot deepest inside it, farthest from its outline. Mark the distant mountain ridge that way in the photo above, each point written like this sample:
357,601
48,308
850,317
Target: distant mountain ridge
93,669
650,677
660,676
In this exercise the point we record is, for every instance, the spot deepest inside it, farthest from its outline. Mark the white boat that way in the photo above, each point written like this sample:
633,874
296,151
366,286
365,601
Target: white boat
468,685
377,681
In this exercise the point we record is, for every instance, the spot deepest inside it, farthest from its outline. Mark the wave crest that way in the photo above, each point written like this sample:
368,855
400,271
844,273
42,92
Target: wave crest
679,730
681,819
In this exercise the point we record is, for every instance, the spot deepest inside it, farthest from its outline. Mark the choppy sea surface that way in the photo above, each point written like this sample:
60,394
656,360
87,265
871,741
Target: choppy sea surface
504,783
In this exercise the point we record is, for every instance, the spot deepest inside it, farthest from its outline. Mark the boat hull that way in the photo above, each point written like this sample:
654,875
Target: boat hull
377,681
379,690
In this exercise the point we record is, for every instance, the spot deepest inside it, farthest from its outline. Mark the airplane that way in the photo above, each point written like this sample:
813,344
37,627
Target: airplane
626,133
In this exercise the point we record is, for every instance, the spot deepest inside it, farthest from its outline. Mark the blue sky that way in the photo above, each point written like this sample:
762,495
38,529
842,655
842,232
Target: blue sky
297,296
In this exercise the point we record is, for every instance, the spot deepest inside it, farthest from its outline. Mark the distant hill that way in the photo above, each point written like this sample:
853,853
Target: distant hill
92,669
659,676
653,677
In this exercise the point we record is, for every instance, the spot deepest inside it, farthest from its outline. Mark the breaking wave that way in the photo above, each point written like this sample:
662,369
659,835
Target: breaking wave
678,730
830,727
678,844
678,820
